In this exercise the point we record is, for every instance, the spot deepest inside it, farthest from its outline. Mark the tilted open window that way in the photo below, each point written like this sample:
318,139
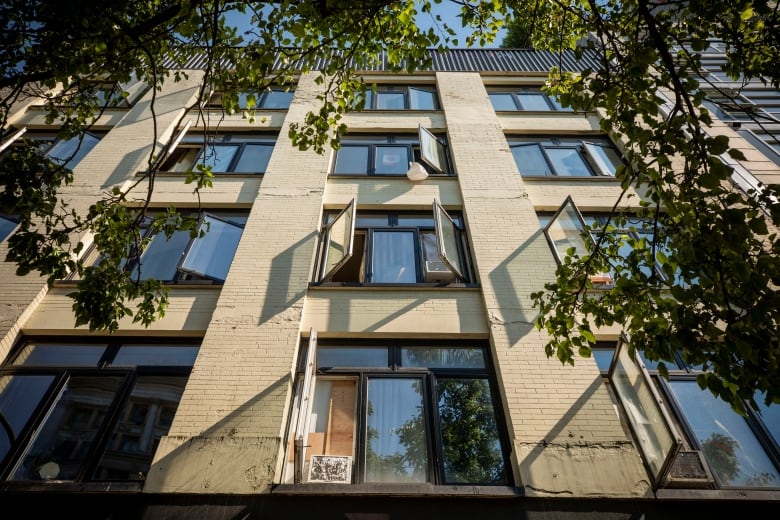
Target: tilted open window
688,437
371,247
401,97
565,157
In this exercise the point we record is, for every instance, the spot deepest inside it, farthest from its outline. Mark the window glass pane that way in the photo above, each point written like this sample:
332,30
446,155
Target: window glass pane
567,162
731,450
502,101
161,256
533,101
70,152
277,99
332,426
603,358
6,226
530,160
432,151
145,418
770,416
254,158
395,431
61,445
554,100
19,396
218,157
391,159
390,100
393,259
432,357
430,246
566,231
448,241
469,433
421,99
416,221
351,159
49,355
156,355
329,357
340,240
211,254
245,97
606,158
643,412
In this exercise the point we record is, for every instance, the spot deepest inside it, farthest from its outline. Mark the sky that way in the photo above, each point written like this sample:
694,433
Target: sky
447,10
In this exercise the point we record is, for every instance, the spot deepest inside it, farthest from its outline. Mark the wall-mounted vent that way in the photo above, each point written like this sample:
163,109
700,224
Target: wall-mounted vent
436,271
688,471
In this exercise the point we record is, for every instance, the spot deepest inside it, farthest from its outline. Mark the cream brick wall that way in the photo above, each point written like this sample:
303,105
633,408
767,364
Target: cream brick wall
121,153
549,408
236,400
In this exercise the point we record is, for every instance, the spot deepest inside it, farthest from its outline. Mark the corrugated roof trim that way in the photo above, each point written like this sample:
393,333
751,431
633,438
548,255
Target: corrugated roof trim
452,60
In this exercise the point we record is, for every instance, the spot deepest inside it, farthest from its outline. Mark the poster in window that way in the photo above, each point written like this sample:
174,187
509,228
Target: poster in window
330,468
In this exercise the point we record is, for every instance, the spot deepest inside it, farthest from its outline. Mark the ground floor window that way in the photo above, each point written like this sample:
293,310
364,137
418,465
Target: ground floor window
88,411
400,413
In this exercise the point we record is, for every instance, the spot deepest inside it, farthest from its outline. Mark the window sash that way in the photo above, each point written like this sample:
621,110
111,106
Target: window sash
447,232
339,240
648,418
206,255
432,151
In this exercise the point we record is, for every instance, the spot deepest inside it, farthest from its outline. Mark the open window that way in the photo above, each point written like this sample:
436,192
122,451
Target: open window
567,230
432,151
391,155
688,437
368,412
205,255
565,157
185,259
230,153
401,97
652,427
372,247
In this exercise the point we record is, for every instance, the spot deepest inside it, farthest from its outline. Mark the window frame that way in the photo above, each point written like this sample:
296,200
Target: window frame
374,91
516,95
679,423
127,376
308,373
584,148
181,160
10,228
261,98
348,218
181,277
429,149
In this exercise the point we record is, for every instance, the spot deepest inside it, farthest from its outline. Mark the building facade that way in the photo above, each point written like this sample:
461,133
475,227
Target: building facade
354,336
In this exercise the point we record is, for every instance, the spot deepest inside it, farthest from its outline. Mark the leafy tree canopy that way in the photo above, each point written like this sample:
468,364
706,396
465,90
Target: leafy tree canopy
704,285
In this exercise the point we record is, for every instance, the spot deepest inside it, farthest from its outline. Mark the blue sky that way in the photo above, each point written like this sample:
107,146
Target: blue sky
447,10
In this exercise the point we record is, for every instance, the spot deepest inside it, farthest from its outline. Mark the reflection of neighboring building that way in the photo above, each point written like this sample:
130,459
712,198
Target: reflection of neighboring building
352,333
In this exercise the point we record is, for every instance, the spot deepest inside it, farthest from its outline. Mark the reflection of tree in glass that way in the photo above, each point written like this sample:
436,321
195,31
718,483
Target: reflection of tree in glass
719,451
721,454
409,466
469,434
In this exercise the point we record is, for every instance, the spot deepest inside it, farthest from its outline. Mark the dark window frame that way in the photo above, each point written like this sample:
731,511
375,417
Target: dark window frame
261,98
583,146
126,376
428,376
362,260
516,95
189,275
410,142
373,92
185,157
